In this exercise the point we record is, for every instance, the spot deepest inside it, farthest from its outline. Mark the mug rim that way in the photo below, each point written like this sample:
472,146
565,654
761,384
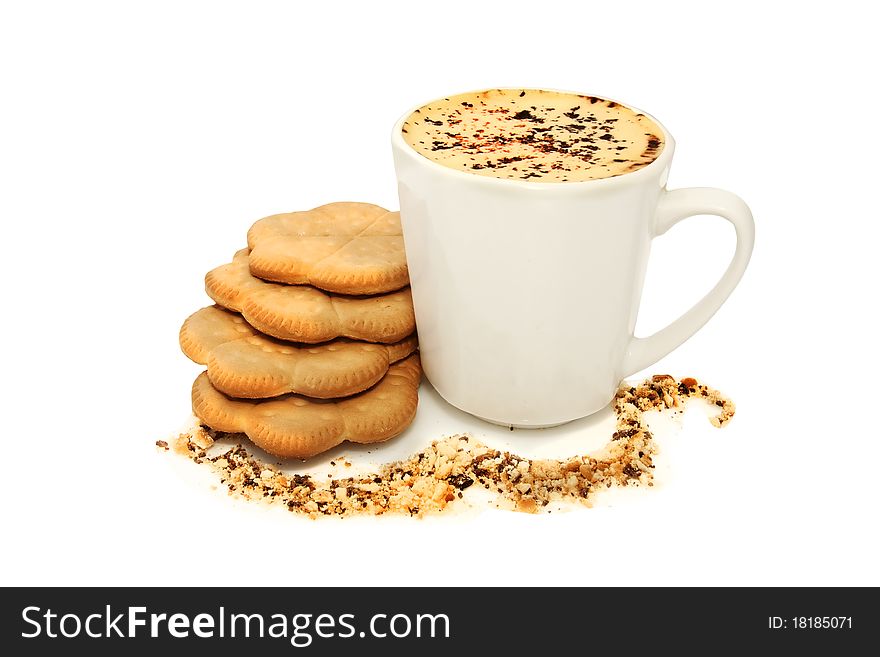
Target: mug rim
661,161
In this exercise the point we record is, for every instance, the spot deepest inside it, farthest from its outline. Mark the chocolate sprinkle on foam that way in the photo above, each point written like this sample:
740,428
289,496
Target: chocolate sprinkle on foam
563,137
437,477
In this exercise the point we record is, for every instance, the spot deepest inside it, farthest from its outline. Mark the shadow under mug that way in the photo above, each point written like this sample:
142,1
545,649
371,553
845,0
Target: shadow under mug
526,294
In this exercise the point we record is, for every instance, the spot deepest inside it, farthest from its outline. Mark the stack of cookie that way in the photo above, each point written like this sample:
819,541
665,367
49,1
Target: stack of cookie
312,341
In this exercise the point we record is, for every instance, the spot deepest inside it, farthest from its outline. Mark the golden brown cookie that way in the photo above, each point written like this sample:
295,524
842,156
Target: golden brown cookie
348,248
302,313
245,363
298,427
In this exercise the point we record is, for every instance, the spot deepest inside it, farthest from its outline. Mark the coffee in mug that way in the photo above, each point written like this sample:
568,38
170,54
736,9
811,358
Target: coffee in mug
541,136
528,217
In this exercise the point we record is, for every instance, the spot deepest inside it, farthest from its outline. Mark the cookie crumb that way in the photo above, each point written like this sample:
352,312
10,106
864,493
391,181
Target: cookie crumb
435,478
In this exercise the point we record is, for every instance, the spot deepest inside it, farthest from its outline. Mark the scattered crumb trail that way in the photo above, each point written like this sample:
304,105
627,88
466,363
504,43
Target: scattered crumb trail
433,479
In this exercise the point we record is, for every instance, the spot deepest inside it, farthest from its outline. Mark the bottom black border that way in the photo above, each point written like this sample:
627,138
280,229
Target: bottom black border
332,620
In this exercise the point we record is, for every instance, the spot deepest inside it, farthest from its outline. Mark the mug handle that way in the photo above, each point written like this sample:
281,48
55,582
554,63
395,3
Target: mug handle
674,206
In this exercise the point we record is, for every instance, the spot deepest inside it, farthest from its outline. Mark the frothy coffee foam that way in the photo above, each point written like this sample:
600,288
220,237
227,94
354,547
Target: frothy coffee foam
534,135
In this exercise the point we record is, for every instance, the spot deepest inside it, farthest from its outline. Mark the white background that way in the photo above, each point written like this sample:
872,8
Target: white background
138,141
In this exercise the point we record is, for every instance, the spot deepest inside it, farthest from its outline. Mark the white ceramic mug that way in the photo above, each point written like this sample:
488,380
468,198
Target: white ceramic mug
526,294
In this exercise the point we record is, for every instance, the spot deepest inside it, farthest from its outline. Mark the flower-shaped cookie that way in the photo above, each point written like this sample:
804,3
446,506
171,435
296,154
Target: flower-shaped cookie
348,248
297,427
302,313
245,363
